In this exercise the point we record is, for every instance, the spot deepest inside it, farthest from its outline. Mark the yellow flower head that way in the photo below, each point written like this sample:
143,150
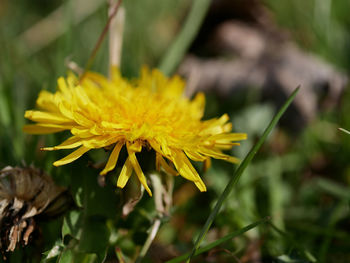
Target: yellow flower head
150,112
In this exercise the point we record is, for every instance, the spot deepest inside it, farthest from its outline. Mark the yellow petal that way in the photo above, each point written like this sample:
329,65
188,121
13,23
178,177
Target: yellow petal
135,147
62,86
218,155
229,137
125,174
195,156
198,104
137,168
46,101
216,126
82,120
206,165
115,73
100,141
65,110
186,170
113,158
81,132
96,130
161,162
41,129
112,125
72,157
201,186
81,96
226,146
155,145
70,143
164,146
72,80
97,79
40,116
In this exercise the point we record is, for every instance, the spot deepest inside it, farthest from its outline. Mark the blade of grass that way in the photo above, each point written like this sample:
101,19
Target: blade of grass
184,39
343,130
338,213
333,188
119,254
221,240
234,179
305,252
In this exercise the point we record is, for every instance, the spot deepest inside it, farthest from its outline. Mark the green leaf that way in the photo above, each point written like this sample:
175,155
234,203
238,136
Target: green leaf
50,255
66,257
71,224
234,179
290,259
87,226
70,256
95,236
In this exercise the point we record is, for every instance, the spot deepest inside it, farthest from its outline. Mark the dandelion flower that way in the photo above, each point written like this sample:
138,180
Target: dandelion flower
150,112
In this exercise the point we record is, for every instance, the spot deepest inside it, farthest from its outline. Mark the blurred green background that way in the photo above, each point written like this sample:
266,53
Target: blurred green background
300,179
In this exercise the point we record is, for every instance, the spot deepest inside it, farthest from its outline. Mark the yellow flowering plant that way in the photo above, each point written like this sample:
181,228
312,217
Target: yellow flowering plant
149,113
113,166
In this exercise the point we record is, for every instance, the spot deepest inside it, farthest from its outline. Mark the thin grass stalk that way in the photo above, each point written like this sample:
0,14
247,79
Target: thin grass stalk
149,241
101,38
162,197
237,174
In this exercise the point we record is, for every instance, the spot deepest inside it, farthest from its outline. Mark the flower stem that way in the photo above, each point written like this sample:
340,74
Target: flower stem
163,200
150,238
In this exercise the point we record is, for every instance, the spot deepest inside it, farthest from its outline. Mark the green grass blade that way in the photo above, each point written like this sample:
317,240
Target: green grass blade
333,188
220,241
184,39
343,130
233,181
338,213
305,252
